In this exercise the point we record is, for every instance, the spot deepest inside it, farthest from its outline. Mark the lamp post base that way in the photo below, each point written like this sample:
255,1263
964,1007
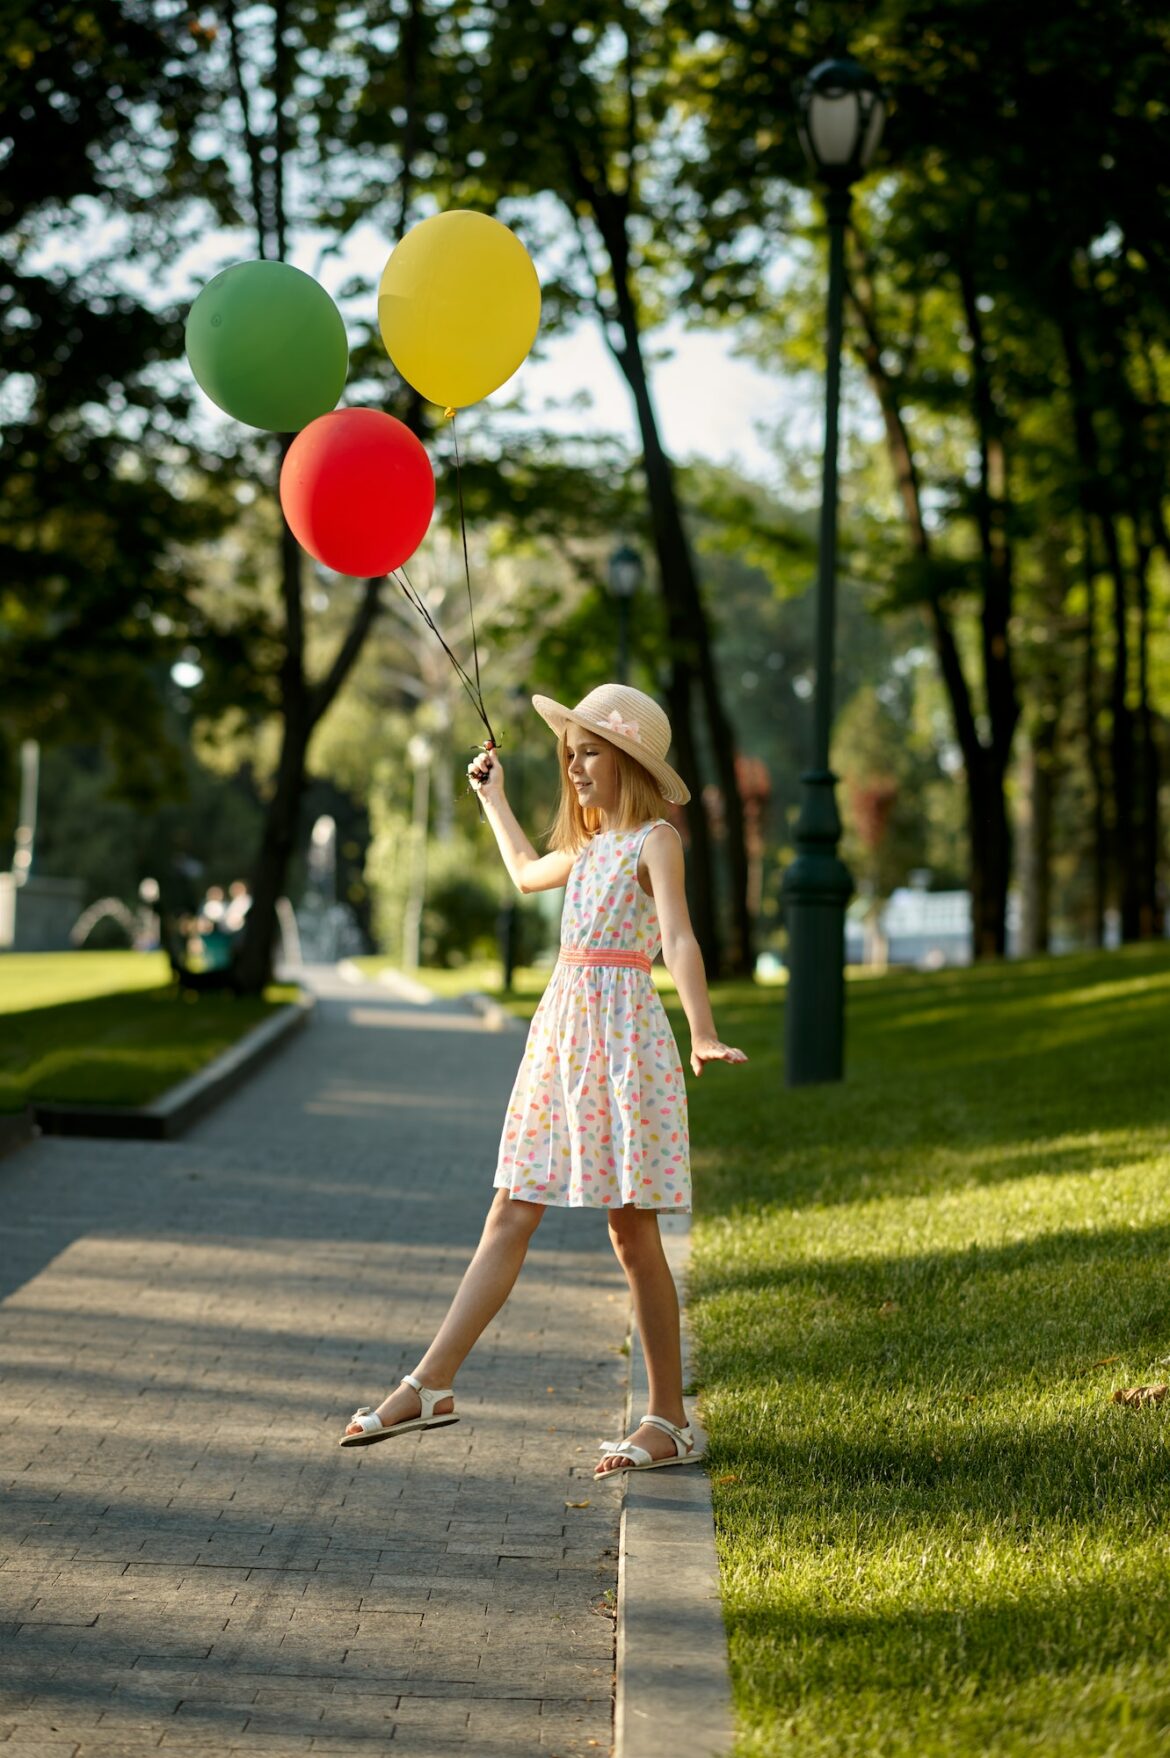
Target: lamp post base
816,889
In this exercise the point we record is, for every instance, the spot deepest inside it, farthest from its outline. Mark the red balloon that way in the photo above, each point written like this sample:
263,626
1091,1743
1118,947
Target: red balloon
358,491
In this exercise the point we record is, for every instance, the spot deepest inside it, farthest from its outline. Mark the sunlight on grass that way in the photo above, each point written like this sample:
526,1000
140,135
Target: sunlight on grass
121,1048
45,979
913,1295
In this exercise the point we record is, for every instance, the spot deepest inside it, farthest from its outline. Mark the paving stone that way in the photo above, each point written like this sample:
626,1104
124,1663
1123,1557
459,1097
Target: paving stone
220,1304
23,1745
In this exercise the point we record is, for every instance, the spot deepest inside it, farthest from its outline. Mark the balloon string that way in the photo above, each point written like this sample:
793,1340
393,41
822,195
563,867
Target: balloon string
412,597
463,532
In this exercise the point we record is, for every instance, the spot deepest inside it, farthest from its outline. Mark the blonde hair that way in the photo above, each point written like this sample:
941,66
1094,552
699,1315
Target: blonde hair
575,825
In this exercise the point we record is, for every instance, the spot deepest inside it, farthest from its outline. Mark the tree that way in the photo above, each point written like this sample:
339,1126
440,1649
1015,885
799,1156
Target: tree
538,100
965,267
96,476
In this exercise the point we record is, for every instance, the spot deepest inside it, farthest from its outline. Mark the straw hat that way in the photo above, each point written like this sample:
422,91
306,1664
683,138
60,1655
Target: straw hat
628,719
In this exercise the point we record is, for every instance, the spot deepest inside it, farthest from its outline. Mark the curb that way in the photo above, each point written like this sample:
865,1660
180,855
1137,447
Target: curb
402,987
168,1117
495,1017
405,988
673,1681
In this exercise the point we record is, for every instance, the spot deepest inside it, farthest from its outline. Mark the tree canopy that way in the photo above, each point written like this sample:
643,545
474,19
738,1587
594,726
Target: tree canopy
1004,488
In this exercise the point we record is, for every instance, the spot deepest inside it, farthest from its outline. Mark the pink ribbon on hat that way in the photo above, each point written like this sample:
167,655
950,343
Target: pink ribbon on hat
627,728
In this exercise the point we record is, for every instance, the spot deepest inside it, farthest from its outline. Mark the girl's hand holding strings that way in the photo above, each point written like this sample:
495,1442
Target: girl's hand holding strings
711,1050
485,775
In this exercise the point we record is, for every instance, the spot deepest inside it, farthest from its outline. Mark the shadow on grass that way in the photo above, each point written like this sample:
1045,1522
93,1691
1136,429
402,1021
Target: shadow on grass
964,1647
1031,1307
951,1480
955,1078
119,1049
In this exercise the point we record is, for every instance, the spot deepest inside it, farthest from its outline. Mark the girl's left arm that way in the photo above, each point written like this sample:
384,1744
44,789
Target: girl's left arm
663,855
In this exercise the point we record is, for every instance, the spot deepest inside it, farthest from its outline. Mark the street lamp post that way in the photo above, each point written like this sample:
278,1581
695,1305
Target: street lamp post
626,574
841,111
420,752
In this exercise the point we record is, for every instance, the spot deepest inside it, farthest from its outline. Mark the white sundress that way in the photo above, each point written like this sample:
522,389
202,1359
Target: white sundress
598,1113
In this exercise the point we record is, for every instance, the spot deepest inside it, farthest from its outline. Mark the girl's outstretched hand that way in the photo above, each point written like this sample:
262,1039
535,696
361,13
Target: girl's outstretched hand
485,775
711,1050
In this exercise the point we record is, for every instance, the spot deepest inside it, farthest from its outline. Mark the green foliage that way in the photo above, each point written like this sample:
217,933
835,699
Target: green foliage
92,509
1008,287
460,916
461,904
88,830
911,1307
132,533
899,808
759,567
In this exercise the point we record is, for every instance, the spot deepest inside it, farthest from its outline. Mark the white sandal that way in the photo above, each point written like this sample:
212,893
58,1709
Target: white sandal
374,1429
640,1459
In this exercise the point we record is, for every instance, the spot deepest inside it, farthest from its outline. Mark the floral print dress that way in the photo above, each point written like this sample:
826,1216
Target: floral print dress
598,1114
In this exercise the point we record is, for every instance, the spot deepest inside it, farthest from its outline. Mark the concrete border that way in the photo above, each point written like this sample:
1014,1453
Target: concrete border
673,1680
168,1117
495,1017
400,985
405,988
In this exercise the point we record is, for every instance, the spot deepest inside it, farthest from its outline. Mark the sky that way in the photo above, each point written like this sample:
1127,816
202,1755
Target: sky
710,404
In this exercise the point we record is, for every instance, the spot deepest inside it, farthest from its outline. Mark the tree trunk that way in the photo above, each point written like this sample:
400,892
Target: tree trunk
1126,856
1149,924
691,652
689,647
277,844
991,519
278,837
302,704
1096,504
700,889
1100,830
990,862
989,839
1035,852
1042,769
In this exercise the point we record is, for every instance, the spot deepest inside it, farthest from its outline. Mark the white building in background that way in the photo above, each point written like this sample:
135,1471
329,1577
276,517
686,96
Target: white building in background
927,929
36,914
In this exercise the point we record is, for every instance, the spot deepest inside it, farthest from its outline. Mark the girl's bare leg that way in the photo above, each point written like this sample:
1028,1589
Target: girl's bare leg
636,1240
487,1282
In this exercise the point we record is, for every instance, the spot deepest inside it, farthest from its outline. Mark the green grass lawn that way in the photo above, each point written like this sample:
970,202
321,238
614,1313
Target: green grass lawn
913,1294
108,1028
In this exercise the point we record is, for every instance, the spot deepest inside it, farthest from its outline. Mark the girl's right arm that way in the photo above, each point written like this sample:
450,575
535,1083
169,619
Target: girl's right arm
528,870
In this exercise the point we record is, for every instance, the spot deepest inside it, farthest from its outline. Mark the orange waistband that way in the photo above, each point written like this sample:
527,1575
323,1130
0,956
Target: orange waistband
573,955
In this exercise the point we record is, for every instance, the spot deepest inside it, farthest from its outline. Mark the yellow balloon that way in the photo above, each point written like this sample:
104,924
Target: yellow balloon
458,306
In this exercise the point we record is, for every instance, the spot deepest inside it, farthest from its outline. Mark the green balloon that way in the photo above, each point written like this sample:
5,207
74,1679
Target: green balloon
267,344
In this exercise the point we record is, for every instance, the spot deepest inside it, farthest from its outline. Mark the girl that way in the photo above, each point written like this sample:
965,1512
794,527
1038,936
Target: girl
598,1114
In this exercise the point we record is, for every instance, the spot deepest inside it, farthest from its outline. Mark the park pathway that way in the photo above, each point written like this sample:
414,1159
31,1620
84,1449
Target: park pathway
187,1559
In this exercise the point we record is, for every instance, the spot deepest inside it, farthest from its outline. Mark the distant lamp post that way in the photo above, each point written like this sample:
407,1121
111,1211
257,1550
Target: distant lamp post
322,886
420,752
841,111
626,573
323,860
26,830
